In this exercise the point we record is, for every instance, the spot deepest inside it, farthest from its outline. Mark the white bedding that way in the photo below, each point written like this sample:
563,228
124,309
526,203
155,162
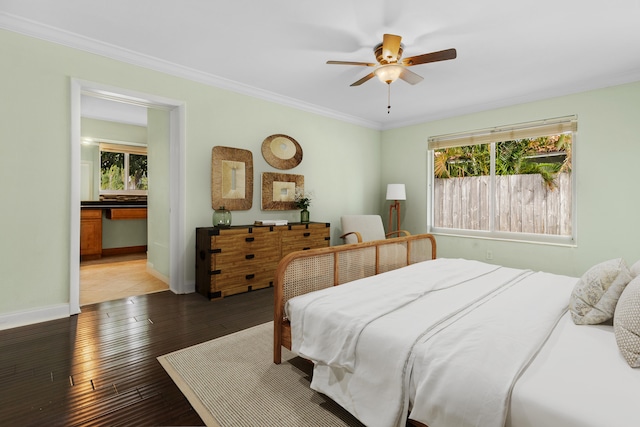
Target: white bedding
375,377
326,324
579,379
464,376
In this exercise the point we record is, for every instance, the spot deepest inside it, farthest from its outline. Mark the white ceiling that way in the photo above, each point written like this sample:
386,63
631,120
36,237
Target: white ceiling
509,52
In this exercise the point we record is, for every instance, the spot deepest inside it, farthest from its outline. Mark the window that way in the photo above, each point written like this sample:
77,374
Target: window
513,182
123,169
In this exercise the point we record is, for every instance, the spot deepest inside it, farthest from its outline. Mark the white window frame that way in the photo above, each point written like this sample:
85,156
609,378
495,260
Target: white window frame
545,127
126,148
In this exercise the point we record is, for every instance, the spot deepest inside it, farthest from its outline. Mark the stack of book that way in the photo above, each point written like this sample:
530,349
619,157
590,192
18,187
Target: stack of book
271,222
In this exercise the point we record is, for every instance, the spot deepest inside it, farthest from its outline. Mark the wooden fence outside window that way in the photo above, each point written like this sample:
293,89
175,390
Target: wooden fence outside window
524,204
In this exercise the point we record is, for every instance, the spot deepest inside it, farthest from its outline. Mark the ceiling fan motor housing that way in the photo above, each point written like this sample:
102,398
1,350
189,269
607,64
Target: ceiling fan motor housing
382,60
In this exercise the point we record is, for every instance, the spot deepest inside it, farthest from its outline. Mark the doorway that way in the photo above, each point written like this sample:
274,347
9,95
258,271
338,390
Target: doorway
170,263
115,172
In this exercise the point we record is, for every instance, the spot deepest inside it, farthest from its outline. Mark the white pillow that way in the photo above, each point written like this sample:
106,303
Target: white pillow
635,269
596,294
626,323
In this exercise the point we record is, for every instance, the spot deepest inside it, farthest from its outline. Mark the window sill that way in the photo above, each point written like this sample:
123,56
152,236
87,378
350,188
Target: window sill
538,239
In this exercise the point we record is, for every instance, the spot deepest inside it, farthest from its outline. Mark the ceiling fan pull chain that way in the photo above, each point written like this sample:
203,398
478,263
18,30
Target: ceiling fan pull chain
389,98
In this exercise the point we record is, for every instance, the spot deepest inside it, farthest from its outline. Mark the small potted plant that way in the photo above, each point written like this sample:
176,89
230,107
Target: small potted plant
303,201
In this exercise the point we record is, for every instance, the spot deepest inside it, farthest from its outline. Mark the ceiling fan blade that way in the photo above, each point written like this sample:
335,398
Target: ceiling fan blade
364,64
391,47
364,79
442,55
410,77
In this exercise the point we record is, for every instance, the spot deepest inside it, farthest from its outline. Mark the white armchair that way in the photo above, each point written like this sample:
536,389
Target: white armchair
364,228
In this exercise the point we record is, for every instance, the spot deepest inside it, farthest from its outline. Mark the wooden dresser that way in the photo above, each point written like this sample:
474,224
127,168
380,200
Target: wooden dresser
244,257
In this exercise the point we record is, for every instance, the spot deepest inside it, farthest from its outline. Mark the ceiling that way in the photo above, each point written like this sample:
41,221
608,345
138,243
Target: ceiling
113,111
508,52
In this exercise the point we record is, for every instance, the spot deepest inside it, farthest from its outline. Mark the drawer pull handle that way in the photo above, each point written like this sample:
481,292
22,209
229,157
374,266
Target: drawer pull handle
250,256
249,276
249,239
305,249
307,234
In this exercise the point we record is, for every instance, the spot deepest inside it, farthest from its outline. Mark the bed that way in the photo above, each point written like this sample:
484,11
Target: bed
447,342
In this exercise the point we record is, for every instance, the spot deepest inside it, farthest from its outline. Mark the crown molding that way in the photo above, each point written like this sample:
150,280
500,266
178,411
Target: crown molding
51,34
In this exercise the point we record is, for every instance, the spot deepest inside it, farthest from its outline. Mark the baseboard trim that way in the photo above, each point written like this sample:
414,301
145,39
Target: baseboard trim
124,251
155,273
29,317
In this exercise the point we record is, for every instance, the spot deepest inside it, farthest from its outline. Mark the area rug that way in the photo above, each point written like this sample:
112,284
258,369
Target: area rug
232,381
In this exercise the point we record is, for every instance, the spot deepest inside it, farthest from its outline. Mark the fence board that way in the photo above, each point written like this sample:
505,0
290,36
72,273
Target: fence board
515,198
528,183
484,201
523,204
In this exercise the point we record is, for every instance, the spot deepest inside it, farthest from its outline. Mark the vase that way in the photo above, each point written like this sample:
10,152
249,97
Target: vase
304,215
221,218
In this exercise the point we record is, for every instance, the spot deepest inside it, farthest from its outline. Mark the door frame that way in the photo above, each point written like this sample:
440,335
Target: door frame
177,179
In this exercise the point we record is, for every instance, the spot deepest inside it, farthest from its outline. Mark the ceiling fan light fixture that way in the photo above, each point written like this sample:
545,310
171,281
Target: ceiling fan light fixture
388,73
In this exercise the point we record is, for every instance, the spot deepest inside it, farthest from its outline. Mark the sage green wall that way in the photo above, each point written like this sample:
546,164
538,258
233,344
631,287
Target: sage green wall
158,195
606,153
90,154
341,162
113,131
123,233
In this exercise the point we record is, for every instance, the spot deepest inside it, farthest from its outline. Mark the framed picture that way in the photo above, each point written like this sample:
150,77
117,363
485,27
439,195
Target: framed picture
231,178
279,189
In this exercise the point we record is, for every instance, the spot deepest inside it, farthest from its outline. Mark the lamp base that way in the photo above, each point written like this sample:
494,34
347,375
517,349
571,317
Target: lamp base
394,206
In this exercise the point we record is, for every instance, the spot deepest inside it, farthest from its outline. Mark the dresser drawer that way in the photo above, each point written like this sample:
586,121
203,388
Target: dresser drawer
237,250
225,262
247,238
300,238
226,259
238,281
243,258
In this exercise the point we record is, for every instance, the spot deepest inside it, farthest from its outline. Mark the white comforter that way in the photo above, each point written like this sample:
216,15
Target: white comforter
445,338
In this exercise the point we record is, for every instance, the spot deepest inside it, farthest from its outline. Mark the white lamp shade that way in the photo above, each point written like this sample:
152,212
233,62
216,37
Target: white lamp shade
396,192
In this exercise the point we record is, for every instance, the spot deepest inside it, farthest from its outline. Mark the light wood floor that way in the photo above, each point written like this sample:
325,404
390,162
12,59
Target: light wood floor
111,278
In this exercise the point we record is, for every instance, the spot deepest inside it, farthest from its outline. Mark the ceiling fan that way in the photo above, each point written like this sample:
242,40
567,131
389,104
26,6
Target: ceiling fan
390,67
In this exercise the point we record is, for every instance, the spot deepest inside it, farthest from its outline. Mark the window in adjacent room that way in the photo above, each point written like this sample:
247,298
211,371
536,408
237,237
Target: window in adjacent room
123,169
512,182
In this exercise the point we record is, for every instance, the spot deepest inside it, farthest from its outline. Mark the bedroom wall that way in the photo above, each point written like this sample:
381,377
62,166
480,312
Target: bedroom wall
342,164
606,150
341,161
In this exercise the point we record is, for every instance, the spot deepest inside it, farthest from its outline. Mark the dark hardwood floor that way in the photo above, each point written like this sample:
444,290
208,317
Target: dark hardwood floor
99,367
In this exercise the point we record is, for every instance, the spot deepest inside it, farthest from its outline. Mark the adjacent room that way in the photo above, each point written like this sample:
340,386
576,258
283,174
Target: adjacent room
182,178
113,204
